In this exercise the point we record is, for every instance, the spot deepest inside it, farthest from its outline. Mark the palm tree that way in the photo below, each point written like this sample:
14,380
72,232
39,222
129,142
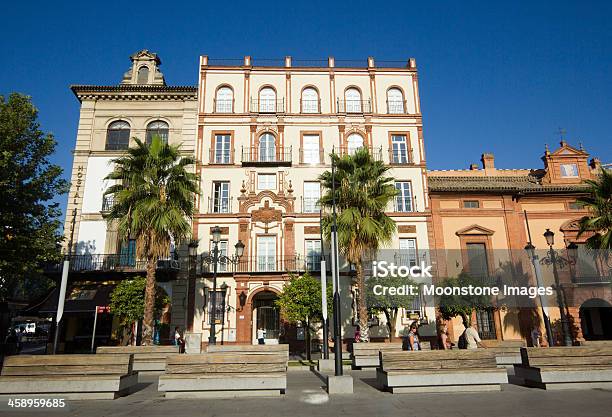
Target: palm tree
599,203
154,195
363,192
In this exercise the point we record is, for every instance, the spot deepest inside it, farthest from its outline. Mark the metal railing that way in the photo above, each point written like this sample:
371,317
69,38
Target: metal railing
310,106
312,156
108,201
354,106
375,152
592,279
224,105
403,205
266,264
396,106
254,156
221,156
110,262
310,205
399,157
268,105
220,205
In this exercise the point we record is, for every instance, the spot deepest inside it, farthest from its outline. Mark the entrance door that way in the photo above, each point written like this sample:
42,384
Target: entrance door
266,253
267,317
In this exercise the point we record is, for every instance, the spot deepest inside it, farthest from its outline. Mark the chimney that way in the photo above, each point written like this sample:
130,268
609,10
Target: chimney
488,163
473,167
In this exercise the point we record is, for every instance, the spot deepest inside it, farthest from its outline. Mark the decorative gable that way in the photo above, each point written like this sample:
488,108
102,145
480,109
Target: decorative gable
566,165
145,69
475,230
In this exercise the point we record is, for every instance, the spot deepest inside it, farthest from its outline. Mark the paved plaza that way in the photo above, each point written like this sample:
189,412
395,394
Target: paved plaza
306,397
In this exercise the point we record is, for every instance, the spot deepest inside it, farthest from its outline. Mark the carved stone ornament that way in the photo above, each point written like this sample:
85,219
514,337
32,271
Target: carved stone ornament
267,214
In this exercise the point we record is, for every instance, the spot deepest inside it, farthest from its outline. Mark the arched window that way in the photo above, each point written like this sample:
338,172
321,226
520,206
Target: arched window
395,101
159,128
352,96
354,142
267,148
118,136
310,100
224,102
143,75
267,100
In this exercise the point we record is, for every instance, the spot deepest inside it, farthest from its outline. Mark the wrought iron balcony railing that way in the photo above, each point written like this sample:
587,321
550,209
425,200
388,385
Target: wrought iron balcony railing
267,105
396,106
220,205
310,106
310,205
108,201
375,152
224,105
221,156
312,156
354,106
266,264
400,157
277,156
111,262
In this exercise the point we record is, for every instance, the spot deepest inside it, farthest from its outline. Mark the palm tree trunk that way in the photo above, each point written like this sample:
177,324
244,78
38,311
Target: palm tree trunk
364,331
149,303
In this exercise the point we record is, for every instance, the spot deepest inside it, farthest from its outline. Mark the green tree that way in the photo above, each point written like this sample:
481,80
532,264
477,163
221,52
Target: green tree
363,192
28,184
300,302
599,221
462,305
387,304
154,195
127,302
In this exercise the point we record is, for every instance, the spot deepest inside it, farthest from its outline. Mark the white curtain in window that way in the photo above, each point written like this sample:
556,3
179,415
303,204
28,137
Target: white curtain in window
267,148
354,142
395,101
352,96
267,100
225,100
310,100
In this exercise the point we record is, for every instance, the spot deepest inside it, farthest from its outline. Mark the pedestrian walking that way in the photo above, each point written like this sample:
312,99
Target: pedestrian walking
261,336
472,337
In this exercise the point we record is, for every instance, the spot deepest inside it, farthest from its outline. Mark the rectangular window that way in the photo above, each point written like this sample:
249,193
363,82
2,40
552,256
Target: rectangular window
266,253
222,266
222,150
486,324
399,149
313,255
266,182
478,265
575,206
219,297
403,200
569,170
220,203
311,152
312,193
471,204
408,252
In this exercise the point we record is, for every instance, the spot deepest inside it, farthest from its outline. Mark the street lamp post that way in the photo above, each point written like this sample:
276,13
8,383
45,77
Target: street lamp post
336,280
214,261
538,273
555,259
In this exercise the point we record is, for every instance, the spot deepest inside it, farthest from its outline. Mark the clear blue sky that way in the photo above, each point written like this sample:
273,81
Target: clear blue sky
499,77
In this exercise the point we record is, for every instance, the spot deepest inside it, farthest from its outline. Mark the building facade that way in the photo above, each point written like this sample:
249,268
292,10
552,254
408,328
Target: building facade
141,105
265,132
484,217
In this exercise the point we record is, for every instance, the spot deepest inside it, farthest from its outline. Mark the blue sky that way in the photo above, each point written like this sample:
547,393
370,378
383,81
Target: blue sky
499,77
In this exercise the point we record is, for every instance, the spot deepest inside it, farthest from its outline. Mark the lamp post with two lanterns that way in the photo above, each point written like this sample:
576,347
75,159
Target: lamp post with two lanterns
214,260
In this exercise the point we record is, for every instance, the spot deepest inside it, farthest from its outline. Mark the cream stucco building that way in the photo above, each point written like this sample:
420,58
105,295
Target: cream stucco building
265,132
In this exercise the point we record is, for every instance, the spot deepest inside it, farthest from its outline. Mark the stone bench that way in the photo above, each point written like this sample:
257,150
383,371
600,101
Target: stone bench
225,375
249,349
147,359
366,355
73,377
558,368
440,371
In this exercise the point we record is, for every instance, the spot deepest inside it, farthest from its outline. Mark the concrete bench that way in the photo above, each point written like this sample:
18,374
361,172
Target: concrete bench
249,349
147,359
558,368
366,355
440,371
73,377
225,375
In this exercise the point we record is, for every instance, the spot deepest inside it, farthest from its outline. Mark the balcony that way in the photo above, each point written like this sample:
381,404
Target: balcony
224,105
403,205
220,205
102,264
375,152
310,205
221,157
400,157
396,106
354,106
310,106
254,156
108,201
267,106
312,156
267,264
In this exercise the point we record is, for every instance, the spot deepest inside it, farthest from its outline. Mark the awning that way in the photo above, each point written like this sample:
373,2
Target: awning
80,298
